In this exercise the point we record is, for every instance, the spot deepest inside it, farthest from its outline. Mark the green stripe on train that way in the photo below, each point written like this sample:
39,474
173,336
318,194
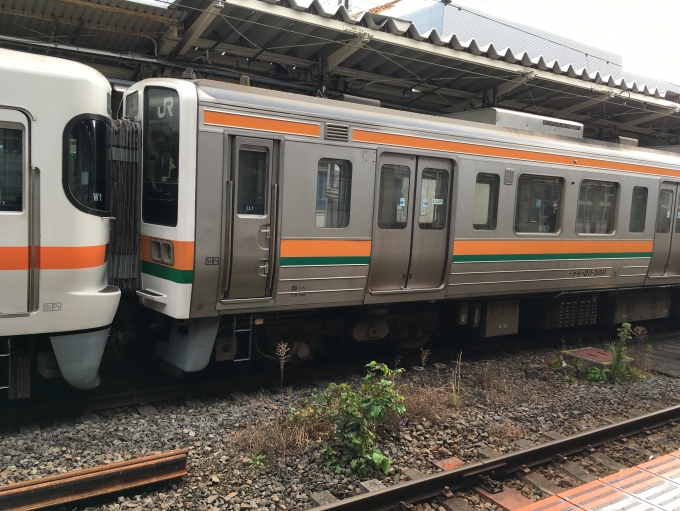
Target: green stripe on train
546,257
168,273
315,261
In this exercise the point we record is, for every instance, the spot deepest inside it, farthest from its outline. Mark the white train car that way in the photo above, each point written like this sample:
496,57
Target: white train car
55,132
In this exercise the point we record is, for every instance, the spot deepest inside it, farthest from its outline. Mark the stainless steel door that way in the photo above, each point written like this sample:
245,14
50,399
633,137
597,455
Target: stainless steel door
663,233
673,265
14,213
429,252
251,217
391,248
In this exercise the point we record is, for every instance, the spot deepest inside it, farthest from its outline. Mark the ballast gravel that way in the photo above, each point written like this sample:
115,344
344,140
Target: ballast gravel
504,403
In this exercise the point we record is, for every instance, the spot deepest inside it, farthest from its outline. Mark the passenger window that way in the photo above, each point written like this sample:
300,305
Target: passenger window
333,193
663,213
253,173
596,207
677,216
393,202
11,169
638,209
434,191
486,202
161,156
538,204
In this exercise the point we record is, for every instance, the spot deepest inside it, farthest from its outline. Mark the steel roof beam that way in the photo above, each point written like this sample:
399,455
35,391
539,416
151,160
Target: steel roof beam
198,28
121,10
504,88
648,118
346,50
583,104
446,52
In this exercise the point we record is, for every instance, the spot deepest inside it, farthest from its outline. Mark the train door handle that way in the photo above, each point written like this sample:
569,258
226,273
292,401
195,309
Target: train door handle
267,230
263,266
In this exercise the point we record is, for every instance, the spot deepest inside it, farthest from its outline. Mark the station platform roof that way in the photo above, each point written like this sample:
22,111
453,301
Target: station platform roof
298,45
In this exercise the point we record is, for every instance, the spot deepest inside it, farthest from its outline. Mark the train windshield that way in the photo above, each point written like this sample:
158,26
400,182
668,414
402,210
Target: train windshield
161,156
87,166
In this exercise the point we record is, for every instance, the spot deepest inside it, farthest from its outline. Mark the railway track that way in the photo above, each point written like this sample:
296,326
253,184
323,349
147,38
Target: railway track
19,412
442,485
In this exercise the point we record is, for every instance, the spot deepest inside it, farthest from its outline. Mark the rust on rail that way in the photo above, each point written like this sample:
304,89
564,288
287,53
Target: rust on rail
92,482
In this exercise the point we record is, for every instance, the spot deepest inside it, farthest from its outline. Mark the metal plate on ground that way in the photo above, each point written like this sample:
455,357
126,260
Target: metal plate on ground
449,463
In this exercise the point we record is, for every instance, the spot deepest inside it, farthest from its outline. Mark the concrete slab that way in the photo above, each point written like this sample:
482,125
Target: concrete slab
592,356
540,483
238,396
602,459
371,485
485,453
146,410
194,403
322,498
509,499
413,473
90,418
457,504
524,444
29,428
571,469
551,436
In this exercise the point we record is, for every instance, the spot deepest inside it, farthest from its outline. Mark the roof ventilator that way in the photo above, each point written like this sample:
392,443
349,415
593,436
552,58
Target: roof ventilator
337,132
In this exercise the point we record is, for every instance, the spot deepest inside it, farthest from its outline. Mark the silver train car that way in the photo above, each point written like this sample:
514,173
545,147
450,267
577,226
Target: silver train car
258,204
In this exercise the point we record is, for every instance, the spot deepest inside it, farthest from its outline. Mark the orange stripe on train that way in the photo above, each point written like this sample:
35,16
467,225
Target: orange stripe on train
184,252
493,247
261,123
13,258
500,152
325,248
53,258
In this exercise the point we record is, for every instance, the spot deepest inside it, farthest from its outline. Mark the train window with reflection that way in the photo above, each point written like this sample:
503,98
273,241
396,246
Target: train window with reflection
253,174
333,193
434,192
87,165
161,156
11,169
393,201
664,212
485,212
596,207
538,204
638,209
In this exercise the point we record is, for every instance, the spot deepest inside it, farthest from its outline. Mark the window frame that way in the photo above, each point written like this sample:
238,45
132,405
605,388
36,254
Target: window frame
13,125
630,212
562,181
351,186
497,203
615,219
66,148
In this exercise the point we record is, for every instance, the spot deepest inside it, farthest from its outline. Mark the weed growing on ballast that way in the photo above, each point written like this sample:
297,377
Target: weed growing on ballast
282,350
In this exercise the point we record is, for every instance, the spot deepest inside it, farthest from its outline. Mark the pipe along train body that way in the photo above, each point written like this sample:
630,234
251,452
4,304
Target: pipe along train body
252,214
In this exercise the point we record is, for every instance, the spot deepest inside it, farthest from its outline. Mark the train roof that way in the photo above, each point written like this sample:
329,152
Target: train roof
271,101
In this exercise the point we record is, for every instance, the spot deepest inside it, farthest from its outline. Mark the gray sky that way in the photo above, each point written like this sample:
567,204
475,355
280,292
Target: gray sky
645,33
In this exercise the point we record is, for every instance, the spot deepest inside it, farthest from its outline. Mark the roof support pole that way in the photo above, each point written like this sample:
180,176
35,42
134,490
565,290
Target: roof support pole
197,28
583,104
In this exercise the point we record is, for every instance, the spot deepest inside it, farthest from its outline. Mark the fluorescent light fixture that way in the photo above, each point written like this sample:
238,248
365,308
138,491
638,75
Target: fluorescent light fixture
163,4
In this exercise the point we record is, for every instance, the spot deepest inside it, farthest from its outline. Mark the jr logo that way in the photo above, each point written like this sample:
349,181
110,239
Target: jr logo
168,103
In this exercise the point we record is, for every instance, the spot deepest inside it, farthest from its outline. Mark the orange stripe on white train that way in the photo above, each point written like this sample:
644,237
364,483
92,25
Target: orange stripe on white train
53,258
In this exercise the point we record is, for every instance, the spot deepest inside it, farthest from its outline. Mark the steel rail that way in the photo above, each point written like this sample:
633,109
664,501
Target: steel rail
471,474
93,482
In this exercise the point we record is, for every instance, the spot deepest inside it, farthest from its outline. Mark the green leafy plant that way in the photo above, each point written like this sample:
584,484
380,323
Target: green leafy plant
621,369
257,460
356,416
597,375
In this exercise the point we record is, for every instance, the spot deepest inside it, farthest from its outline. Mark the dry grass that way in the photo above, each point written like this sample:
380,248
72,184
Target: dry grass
282,438
497,390
428,403
506,431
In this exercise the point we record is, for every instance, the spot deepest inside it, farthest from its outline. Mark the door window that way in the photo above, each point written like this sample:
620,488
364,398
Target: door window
638,209
394,194
252,182
333,193
161,156
596,207
538,204
434,191
11,169
664,212
486,202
